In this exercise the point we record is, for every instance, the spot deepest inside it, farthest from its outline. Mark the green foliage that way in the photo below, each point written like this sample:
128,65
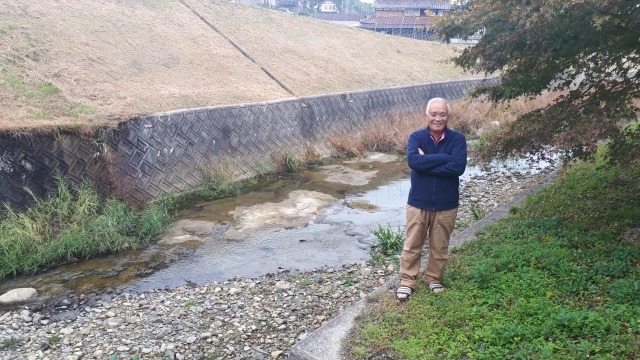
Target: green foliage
477,212
579,197
217,184
389,243
558,279
584,50
221,182
53,340
134,357
73,224
10,343
290,163
12,81
43,115
213,357
618,146
190,303
48,89
263,168
81,110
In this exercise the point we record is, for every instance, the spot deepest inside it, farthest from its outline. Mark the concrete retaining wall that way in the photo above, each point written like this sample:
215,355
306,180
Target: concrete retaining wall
150,156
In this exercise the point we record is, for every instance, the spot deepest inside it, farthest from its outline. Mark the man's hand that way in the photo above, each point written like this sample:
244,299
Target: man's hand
420,151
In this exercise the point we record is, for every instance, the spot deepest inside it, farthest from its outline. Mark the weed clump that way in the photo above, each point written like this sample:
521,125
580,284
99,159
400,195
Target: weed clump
73,224
389,243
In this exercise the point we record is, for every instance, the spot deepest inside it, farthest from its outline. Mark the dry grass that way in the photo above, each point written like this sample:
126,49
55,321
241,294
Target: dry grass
312,57
95,62
468,116
385,135
476,117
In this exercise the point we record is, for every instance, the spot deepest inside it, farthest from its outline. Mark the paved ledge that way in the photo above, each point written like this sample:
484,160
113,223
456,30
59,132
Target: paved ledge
326,342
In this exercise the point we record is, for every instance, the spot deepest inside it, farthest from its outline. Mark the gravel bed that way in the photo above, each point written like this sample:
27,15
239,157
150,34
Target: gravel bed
258,318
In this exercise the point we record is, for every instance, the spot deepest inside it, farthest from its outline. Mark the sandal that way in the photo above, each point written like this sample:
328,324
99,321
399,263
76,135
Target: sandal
404,290
436,288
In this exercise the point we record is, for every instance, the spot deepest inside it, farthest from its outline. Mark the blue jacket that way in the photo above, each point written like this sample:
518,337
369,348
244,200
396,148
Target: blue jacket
435,175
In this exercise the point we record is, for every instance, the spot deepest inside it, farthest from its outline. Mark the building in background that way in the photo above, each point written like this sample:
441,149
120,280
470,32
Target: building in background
408,18
329,7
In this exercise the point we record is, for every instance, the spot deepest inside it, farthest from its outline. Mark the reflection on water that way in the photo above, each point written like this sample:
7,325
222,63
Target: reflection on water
340,235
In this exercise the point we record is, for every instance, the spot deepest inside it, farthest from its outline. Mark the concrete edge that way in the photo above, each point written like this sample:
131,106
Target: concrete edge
326,342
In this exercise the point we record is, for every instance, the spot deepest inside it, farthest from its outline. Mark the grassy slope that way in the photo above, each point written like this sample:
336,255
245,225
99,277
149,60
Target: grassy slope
313,57
99,62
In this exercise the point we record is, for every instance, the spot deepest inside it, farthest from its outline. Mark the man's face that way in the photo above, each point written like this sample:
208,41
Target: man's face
437,116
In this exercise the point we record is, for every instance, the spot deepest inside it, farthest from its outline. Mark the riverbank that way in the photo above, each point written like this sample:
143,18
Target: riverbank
558,278
235,319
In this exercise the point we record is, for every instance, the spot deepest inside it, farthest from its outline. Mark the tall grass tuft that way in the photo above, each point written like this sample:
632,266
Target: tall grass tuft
73,224
220,182
389,243
289,163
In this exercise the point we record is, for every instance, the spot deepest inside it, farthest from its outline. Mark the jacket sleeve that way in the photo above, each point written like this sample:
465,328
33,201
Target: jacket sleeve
457,163
423,163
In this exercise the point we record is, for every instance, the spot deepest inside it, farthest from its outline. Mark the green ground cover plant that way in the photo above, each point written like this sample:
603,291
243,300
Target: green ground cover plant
10,343
71,225
558,279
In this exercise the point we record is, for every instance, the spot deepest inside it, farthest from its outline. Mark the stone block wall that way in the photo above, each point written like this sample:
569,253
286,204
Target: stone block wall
32,161
147,157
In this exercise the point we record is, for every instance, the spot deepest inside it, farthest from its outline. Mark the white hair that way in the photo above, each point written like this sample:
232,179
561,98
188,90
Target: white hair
438,100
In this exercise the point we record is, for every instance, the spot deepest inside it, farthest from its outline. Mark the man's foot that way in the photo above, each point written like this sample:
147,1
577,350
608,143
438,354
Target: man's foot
403,293
436,288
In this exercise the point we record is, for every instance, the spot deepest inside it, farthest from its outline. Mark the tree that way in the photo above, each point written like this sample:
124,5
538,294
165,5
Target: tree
360,7
587,50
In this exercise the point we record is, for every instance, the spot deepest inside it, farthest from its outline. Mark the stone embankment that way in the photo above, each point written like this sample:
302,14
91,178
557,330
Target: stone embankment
259,318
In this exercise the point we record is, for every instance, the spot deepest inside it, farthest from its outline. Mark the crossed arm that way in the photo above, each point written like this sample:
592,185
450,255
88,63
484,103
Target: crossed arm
447,165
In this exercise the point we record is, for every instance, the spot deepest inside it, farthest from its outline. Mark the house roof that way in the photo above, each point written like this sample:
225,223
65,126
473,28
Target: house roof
397,21
413,4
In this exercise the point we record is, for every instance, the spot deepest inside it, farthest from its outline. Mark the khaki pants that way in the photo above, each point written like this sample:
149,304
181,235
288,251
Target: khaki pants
437,226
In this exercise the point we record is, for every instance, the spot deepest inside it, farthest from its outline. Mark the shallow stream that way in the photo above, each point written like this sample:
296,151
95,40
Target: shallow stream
321,217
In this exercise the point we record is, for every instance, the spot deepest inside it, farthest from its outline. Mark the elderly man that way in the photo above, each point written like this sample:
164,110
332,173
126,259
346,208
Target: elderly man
437,157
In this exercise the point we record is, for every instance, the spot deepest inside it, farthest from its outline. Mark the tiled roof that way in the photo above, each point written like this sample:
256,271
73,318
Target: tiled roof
398,21
417,4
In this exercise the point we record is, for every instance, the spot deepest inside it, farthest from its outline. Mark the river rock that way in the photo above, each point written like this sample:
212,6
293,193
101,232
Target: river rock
345,175
296,211
18,295
185,230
